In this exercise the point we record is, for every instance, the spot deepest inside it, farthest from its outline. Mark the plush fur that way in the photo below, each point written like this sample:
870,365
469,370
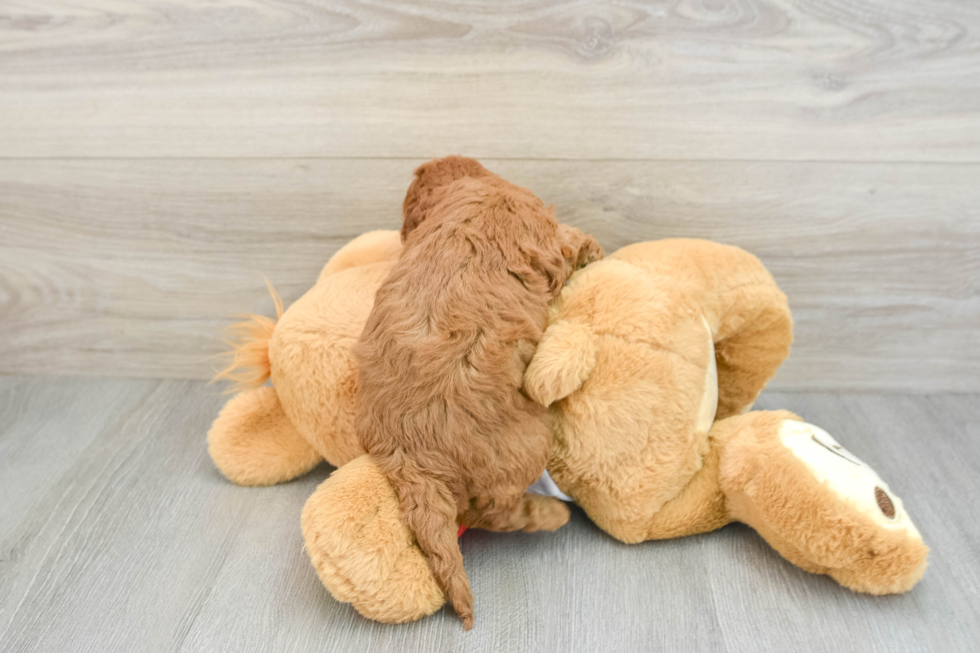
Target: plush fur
788,506
442,360
248,341
253,442
392,582
616,402
646,312
626,366
268,435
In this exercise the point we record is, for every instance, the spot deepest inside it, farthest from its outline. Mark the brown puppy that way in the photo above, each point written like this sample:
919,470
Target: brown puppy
442,360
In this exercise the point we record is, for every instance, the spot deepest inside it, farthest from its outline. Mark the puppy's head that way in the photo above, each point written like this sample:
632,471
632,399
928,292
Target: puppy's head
431,180
577,248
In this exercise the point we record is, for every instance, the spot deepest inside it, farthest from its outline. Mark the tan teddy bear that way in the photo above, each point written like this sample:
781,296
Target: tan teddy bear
648,364
267,435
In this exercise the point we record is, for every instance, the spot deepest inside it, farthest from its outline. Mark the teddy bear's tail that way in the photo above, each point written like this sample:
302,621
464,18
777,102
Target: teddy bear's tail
248,341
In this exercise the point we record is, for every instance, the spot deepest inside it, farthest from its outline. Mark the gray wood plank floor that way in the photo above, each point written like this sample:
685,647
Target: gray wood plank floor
117,534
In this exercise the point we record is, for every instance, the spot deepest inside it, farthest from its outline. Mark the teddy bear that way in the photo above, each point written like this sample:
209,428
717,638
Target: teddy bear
649,366
271,434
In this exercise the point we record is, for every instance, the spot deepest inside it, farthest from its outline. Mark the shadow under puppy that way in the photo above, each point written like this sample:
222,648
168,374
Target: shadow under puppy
442,360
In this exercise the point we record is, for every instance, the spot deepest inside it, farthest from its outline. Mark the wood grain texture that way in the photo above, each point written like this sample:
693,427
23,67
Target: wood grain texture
882,80
117,534
133,267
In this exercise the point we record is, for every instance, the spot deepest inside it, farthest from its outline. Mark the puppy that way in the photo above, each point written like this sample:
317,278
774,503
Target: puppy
442,360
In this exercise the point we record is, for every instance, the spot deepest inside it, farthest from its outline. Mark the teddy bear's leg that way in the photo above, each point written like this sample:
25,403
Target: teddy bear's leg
372,247
699,508
252,441
816,503
747,314
362,550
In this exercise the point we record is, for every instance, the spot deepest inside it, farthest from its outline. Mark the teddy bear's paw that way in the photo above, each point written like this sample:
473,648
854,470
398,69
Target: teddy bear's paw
850,478
877,547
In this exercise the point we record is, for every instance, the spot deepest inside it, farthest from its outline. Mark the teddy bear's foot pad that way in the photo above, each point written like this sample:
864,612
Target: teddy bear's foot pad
850,478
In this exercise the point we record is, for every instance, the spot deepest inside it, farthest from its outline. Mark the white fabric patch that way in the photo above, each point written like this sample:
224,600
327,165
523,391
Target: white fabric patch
546,487
844,473
709,401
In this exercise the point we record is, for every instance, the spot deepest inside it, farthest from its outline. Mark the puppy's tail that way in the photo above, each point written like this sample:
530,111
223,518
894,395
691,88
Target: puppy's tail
248,343
429,510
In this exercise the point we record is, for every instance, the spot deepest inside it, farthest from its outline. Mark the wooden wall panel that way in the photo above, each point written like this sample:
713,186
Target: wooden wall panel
157,158
133,267
857,80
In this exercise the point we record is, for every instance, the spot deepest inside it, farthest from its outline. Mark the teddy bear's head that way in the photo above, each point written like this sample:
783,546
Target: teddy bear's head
627,368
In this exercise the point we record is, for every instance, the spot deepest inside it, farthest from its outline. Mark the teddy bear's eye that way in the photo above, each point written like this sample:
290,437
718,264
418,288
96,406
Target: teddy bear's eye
885,503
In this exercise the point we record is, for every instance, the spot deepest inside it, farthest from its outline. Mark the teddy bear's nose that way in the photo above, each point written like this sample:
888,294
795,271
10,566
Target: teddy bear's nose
885,503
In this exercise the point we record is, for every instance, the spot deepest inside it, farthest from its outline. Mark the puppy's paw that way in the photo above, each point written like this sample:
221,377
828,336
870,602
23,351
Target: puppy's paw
547,514
578,248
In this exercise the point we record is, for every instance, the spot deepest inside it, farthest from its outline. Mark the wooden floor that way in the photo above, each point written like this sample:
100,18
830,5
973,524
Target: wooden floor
117,534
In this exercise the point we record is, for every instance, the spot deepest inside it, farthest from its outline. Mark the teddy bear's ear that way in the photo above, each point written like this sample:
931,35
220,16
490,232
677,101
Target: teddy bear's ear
563,361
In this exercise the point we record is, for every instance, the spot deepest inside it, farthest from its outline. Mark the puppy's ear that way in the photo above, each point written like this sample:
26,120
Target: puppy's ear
578,248
549,268
565,358
424,192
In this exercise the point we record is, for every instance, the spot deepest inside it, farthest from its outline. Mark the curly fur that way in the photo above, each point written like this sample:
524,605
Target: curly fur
442,360
430,183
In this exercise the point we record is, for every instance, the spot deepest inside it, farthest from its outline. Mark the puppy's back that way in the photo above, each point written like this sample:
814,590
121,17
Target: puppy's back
442,360
455,323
